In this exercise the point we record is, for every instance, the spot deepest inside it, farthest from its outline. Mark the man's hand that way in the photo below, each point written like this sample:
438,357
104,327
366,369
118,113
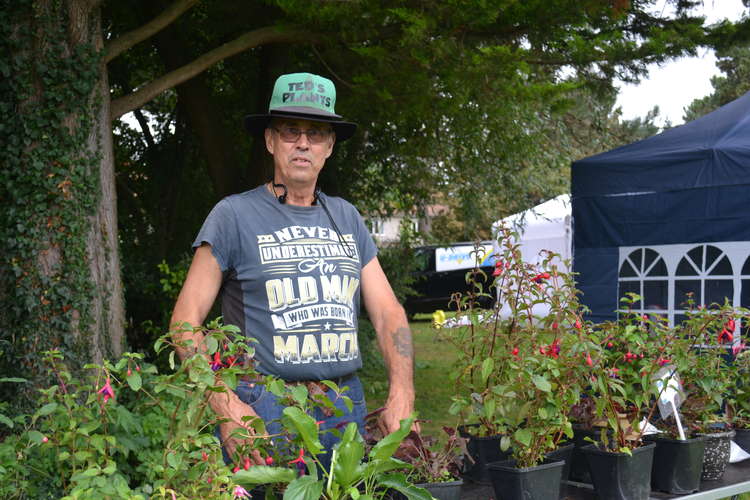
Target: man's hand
239,416
396,409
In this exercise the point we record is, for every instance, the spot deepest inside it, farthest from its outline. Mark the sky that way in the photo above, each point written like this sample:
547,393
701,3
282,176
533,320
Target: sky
674,85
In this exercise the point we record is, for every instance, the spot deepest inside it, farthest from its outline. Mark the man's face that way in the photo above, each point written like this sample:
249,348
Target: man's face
298,159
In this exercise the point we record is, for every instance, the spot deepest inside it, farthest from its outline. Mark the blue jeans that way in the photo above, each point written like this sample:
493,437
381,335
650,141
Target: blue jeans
267,406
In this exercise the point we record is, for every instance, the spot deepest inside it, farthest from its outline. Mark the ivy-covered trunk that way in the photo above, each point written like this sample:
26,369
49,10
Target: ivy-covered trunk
60,281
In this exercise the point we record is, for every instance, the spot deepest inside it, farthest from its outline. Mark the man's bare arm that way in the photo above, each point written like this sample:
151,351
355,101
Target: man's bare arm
193,304
394,339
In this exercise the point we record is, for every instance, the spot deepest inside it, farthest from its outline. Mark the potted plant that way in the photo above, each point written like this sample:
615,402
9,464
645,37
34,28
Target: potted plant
701,356
625,359
433,464
517,376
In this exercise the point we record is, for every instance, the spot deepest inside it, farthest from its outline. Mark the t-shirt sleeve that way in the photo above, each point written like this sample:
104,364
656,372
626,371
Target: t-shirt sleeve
365,243
220,231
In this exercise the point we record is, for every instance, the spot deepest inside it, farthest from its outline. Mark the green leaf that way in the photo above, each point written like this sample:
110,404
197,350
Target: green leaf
347,461
263,474
5,420
13,379
211,344
387,446
46,409
134,381
35,436
173,460
398,482
523,436
541,383
304,488
488,365
299,393
305,427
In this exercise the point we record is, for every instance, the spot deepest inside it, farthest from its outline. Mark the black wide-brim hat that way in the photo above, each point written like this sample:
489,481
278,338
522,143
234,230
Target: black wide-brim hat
302,96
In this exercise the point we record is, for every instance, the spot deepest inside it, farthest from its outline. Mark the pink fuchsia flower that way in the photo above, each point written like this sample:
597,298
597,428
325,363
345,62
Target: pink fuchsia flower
240,492
269,460
107,391
738,348
45,439
216,363
589,361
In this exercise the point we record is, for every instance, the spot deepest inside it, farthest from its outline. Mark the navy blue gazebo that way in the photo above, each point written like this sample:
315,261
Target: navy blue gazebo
667,217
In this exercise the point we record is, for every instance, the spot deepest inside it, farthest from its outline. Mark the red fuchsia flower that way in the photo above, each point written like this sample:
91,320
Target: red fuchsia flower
730,324
738,348
269,460
204,456
662,361
209,480
514,352
300,462
236,469
240,492
130,372
578,324
725,336
45,439
231,360
216,364
498,268
137,368
610,345
614,372
554,325
246,465
540,277
589,361
107,391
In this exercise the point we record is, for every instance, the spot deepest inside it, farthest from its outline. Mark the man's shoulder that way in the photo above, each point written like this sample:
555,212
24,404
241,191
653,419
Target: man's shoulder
238,199
339,203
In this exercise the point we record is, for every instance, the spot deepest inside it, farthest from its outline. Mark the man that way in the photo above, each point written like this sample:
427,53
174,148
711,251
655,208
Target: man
290,262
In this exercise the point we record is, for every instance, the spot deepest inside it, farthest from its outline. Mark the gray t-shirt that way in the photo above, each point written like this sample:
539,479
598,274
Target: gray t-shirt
288,281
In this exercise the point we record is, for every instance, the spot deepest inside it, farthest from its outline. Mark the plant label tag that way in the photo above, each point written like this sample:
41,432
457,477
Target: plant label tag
670,392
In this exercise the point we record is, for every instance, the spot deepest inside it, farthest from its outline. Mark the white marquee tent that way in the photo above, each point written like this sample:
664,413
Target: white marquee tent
544,227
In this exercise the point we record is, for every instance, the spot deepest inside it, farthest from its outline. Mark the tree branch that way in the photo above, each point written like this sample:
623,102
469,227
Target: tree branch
261,36
122,43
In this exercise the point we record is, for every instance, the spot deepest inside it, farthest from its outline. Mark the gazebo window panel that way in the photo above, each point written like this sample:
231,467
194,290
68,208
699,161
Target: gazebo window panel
637,275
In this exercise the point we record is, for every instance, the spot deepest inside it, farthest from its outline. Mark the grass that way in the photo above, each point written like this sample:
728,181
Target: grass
434,389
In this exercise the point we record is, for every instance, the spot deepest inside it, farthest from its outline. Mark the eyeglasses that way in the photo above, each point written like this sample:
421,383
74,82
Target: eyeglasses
292,134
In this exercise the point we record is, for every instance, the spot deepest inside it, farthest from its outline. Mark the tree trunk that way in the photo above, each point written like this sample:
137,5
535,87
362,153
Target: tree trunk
60,284
102,242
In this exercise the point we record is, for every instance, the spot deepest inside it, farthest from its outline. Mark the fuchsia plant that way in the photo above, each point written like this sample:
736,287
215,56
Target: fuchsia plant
516,376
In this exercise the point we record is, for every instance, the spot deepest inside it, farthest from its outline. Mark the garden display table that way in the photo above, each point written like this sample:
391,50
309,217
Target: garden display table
736,480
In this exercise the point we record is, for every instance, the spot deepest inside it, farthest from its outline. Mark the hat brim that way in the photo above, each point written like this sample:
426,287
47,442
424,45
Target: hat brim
256,124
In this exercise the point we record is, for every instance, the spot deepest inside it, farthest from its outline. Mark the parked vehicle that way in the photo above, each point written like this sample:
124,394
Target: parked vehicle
442,273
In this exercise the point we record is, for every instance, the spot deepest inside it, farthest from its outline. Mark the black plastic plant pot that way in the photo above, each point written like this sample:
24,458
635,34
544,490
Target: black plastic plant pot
563,453
579,467
620,476
716,456
483,450
541,482
677,464
444,491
